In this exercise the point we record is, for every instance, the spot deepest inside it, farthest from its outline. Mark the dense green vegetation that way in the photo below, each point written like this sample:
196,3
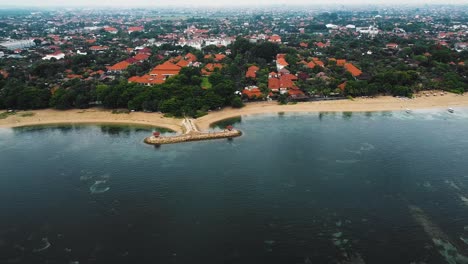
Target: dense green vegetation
418,64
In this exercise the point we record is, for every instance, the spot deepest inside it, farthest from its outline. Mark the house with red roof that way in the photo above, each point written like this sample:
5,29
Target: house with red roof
118,67
392,46
144,50
135,29
352,69
342,86
147,80
140,57
165,70
281,61
318,62
98,48
190,57
275,39
183,63
210,68
252,72
111,30
252,92
311,65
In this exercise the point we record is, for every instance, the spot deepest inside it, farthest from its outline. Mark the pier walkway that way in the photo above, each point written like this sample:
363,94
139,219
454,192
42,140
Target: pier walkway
191,133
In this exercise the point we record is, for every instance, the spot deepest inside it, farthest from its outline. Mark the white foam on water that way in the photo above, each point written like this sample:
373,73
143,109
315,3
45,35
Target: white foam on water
44,245
452,184
464,199
99,187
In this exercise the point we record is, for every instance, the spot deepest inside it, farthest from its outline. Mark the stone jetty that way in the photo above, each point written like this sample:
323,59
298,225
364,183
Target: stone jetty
191,133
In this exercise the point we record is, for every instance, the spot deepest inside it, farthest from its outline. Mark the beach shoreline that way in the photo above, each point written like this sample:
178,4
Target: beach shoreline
104,116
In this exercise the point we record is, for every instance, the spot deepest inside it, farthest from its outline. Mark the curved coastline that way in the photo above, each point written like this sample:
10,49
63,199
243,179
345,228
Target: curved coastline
378,104
103,116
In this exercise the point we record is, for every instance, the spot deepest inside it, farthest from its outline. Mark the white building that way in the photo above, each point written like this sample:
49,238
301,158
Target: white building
57,55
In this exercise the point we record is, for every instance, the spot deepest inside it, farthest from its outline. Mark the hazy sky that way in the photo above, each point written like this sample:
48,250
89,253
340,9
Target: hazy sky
140,3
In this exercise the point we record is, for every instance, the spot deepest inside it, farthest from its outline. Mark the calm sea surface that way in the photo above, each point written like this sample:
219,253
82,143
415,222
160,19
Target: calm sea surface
383,187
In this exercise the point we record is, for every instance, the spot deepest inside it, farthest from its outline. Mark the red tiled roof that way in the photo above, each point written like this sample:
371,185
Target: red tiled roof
352,69
167,68
190,57
210,67
342,86
318,62
136,29
183,63
74,76
340,62
282,61
141,57
123,65
99,48
311,65
295,92
219,57
274,84
110,29
147,79
252,72
252,93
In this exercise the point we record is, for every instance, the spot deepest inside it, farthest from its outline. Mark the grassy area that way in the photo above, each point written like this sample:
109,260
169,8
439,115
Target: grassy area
206,83
6,114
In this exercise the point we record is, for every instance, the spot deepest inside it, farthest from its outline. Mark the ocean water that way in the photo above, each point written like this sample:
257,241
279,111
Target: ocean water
381,187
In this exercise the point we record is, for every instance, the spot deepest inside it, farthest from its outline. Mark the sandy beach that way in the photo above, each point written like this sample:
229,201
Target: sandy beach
96,115
90,116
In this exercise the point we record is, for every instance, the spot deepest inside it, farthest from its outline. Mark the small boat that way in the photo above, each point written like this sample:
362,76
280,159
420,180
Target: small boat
408,111
450,110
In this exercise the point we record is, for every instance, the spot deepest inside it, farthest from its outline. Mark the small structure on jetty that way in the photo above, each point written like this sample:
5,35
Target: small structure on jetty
192,133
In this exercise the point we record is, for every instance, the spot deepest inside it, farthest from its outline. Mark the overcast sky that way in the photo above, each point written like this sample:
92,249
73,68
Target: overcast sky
140,3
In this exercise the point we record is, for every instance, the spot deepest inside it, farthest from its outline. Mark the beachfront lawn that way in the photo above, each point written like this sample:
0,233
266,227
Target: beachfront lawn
206,83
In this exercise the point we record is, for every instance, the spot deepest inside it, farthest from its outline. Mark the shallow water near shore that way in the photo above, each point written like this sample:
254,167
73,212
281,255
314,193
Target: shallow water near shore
377,187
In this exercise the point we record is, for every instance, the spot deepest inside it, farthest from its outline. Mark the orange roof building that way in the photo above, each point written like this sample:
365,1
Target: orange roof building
135,29
183,63
165,70
210,67
190,57
219,57
119,67
252,72
146,79
98,48
311,65
352,69
141,57
252,92
340,62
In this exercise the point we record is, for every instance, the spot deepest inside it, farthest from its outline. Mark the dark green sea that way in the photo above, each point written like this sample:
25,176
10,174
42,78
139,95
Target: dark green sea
381,187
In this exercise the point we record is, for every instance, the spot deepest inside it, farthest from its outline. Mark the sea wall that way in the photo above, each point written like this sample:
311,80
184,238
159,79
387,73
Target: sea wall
194,136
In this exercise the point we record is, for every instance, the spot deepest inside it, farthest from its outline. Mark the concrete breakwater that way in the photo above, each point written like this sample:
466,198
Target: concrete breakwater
195,136
191,134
